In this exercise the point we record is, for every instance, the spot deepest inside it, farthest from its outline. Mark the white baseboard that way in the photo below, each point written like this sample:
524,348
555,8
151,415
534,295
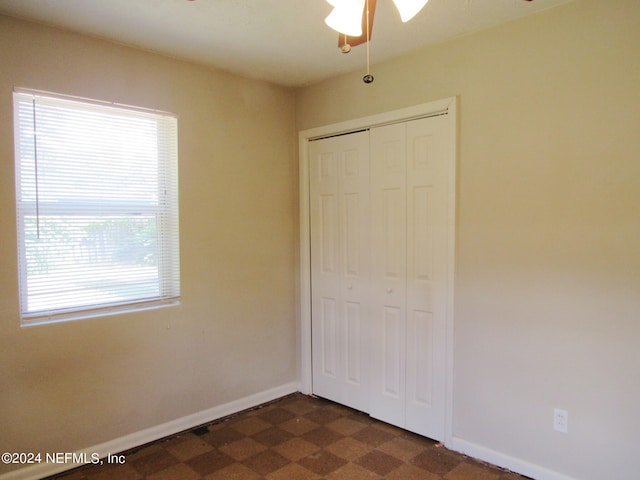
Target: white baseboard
41,470
499,459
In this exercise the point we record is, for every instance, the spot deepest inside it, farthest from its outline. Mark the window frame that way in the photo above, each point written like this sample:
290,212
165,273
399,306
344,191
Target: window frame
164,213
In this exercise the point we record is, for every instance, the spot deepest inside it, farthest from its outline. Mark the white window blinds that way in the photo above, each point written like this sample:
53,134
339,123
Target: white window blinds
97,207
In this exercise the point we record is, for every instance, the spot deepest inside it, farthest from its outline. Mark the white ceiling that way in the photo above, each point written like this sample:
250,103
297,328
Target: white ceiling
282,41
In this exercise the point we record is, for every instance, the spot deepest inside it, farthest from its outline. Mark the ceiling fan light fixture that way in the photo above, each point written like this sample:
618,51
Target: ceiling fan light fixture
346,16
409,8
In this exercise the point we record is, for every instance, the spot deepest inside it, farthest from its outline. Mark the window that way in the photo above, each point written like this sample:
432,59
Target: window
97,207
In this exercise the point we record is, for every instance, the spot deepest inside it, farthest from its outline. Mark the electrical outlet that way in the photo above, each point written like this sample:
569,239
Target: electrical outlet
560,420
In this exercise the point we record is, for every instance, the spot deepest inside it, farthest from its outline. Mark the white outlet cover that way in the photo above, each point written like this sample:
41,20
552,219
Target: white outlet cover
560,420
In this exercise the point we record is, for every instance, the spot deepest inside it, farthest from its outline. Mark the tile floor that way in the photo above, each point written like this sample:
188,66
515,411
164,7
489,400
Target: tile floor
294,438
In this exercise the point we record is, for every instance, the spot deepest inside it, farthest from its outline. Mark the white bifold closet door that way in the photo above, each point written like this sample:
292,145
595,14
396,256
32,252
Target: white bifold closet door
339,210
408,275
378,207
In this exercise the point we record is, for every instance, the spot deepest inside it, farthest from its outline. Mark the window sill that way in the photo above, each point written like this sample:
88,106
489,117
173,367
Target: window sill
96,312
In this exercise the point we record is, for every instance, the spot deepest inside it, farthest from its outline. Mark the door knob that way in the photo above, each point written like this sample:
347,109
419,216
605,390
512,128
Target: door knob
389,290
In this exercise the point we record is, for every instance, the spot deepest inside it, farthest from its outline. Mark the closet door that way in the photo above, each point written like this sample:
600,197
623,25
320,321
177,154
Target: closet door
388,273
339,206
408,274
427,244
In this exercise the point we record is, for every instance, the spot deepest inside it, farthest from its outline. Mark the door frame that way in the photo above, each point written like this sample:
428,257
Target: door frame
438,107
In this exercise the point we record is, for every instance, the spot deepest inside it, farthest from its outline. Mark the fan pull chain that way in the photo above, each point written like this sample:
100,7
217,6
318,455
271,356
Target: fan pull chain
346,48
368,78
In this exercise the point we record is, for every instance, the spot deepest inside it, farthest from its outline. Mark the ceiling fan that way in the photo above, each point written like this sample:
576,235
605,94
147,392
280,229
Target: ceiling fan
353,19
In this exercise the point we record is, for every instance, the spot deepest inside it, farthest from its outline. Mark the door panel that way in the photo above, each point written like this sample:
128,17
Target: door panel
327,241
355,346
408,255
327,325
393,356
388,271
426,275
420,349
393,223
420,238
339,190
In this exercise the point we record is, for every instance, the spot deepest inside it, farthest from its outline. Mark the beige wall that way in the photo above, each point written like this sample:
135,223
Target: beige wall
74,385
547,305
548,265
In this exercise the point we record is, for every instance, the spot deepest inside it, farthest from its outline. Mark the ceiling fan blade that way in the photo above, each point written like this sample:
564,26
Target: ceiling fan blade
409,8
354,41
